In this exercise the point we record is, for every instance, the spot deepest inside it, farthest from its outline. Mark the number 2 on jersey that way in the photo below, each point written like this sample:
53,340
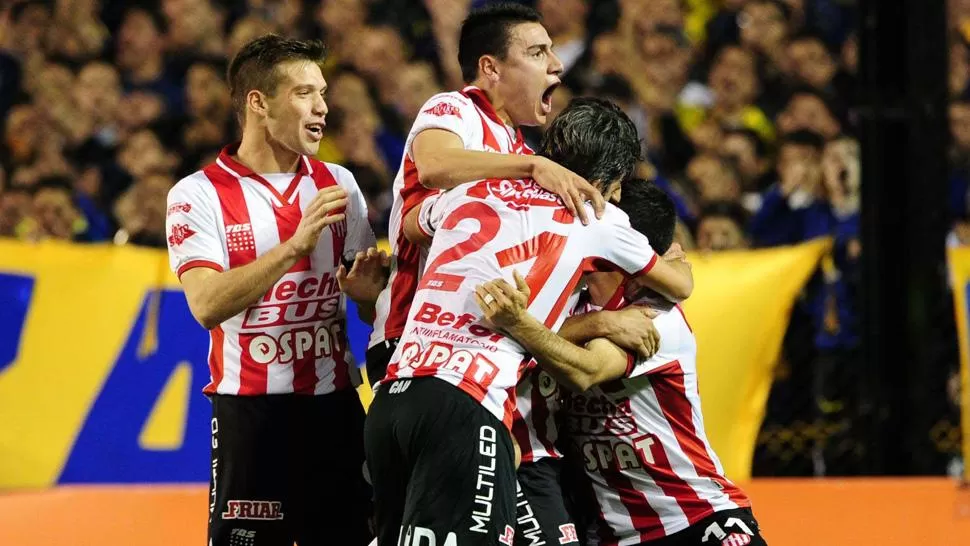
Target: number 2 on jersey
549,244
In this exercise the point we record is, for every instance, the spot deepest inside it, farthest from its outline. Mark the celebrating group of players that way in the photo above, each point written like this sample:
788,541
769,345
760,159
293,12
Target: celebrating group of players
511,274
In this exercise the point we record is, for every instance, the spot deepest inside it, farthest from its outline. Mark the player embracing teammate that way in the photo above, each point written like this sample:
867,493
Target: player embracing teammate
439,436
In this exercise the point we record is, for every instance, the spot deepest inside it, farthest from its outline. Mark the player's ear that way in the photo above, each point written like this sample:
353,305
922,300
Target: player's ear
488,67
256,102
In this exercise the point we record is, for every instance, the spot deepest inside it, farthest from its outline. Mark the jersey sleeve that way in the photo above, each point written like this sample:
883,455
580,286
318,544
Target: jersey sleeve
450,112
622,248
360,235
676,340
192,228
429,216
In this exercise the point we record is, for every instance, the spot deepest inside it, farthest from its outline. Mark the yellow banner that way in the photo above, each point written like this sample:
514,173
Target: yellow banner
958,260
102,365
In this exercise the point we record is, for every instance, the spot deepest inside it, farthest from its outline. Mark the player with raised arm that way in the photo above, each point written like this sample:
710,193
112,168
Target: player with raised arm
258,240
439,449
507,61
634,425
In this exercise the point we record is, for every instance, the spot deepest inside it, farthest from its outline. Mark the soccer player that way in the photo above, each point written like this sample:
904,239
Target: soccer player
507,61
257,240
635,424
437,438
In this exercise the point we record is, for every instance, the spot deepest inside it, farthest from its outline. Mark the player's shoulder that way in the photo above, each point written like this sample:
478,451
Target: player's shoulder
193,186
452,97
451,103
613,215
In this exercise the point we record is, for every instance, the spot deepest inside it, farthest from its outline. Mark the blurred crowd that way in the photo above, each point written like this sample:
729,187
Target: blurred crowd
745,108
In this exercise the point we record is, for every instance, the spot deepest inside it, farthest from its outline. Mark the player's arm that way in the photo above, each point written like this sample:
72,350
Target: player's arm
629,251
673,280
363,273
443,162
578,368
215,296
630,328
421,221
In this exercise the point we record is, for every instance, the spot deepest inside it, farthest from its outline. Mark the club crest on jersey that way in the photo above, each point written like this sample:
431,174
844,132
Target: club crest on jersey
179,207
253,509
180,232
443,109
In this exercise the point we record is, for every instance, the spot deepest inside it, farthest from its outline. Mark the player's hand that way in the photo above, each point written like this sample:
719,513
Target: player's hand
572,188
504,307
632,329
327,207
366,278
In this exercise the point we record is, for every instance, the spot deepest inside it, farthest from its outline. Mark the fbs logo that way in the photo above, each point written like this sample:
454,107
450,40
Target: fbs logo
250,509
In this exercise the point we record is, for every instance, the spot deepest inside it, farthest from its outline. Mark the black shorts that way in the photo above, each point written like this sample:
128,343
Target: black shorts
541,513
441,464
726,528
377,358
288,468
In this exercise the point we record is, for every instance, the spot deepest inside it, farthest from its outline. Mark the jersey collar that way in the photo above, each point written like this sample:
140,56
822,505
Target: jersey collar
480,99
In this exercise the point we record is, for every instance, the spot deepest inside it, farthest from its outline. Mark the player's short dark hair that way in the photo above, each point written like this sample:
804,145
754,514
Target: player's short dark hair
651,211
487,31
595,139
255,65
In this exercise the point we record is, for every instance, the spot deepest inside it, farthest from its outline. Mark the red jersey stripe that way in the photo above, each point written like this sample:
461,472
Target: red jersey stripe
252,376
672,396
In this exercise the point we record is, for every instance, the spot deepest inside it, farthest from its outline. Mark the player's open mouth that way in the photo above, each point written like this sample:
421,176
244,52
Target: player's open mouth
315,130
547,98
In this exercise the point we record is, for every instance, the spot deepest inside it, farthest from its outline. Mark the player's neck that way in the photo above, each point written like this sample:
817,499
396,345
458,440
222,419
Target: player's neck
602,287
264,156
495,99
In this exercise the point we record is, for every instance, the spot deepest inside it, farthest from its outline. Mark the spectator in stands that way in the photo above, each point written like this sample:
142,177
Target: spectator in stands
98,97
721,226
54,214
195,28
246,29
791,211
416,83
807,110
734,81
140,54
379,55
714,179
810,62
764,30
750,155
566,22
141,211
209,113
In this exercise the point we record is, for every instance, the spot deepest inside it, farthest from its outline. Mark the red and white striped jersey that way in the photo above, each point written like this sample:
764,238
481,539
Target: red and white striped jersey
643,446
482,231
535,418
469,115
294,338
